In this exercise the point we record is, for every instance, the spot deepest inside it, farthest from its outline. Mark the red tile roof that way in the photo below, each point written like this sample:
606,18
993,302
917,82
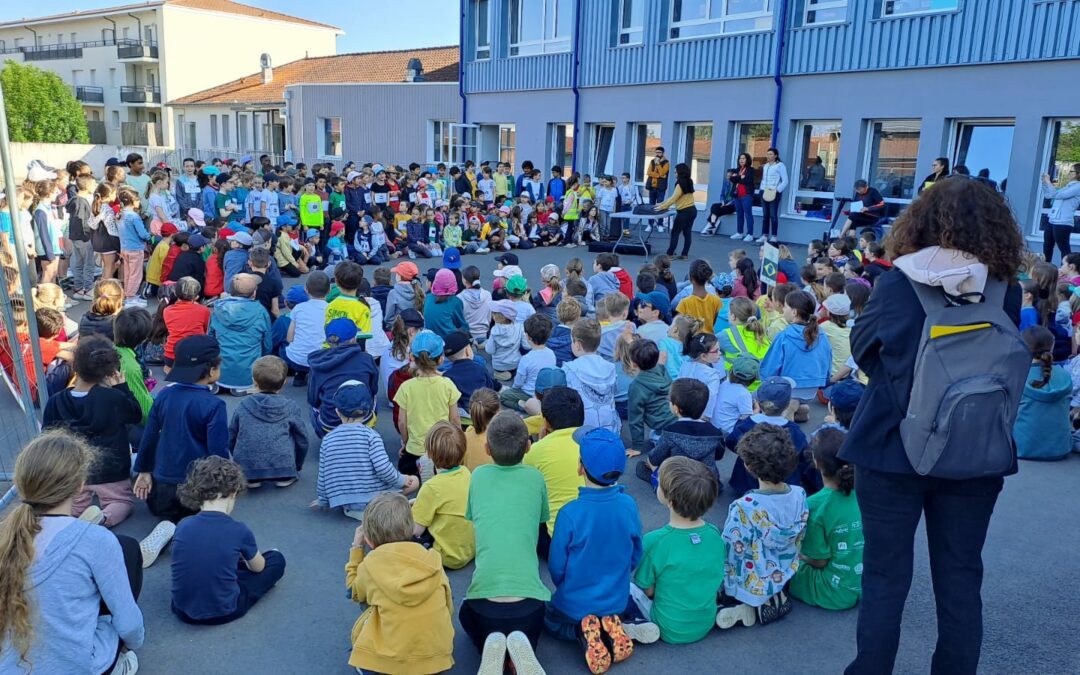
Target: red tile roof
440,65
224,6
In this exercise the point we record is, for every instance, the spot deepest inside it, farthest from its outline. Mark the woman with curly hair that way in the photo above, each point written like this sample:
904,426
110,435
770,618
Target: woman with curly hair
959,236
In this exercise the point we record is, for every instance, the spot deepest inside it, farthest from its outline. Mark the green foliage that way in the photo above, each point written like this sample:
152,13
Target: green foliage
40,107
1068,149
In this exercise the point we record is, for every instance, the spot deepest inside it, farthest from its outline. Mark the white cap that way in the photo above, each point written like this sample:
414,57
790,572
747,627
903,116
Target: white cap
353,175
838,304
37,171
508,271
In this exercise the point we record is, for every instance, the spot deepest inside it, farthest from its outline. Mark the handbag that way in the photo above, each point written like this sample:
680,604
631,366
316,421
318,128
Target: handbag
768,195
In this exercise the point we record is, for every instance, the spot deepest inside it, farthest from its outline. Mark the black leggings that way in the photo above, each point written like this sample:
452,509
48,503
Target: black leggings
133,566
480,618
684,224
1056,234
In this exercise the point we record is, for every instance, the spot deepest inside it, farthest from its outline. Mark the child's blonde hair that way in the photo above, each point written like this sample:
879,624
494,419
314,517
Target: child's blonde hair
49,295
483,406
617,305
388,519
574,268
745,314
623,346
108,297
684,326
445,445
568,311
601,310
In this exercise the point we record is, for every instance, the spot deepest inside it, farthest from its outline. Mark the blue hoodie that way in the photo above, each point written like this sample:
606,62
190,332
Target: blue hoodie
789,356
560,343
242,329
602,284
185,423
596,546
1042,429
329,369
234,263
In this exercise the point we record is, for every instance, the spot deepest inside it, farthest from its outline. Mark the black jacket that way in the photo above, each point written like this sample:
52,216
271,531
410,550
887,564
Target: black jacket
746,180
189,264
102,418
884,342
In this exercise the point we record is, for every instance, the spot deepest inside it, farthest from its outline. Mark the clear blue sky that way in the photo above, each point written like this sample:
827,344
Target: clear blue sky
369,25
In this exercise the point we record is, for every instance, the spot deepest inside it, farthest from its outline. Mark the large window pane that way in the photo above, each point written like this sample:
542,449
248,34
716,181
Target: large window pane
532,20
539,26
631,16
690,10
984,147
696,151
331,136
899,7
646,141
825,11
603,156
1062,153
814,168
894,150
483,30
754,138
701,18
562,147
507,143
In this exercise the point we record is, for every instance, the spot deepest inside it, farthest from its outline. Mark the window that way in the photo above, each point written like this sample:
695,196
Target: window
646,141
192,140
330,137
1062,152
74,38
562,147
696,150
754,138
819,12
18,43
904,7
112,78
483,30
95,116
540,26
440,141
603,158
813,169
242,132
116,119
126,32
984,147
148,33
893,151
93,77
631,15
225,132
213,132
507,143
702,18
76,75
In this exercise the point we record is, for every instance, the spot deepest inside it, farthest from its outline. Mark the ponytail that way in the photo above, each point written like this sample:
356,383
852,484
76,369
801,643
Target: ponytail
824,449
1046,363
1040,342
745,313
483,406
803,304
697,345
399,339
418,294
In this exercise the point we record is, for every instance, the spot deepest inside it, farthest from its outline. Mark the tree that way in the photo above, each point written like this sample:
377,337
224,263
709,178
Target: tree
40,107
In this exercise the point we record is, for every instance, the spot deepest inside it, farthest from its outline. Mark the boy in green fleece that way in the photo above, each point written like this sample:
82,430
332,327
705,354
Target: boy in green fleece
647,403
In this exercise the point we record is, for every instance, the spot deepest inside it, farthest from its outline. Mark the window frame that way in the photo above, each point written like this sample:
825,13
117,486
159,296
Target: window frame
594,138
476,31
1042,203
821,5
214,131
634,30
116,122
557,157
438,130
721,23
736,150
554,45
640,155
886,14
226,143
797,162
956,128
510,131
869,154
686,155
321,134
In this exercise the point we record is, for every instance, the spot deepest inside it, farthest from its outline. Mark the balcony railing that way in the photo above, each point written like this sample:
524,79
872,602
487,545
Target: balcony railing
90,94
97,132
136,49
52,52
140,95
140,133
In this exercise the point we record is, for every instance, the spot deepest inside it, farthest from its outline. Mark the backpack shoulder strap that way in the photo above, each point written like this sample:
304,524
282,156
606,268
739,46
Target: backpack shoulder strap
933,298
736,339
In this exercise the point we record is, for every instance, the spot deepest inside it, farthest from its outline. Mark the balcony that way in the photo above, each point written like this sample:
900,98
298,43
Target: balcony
90,95
97,132
148,95
140,133
136,49
53,52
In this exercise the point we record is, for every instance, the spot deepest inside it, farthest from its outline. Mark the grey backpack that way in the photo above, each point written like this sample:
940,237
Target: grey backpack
970,373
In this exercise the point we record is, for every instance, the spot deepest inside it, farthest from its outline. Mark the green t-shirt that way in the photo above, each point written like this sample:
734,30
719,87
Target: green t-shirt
506,506
337,200
834,533
686,567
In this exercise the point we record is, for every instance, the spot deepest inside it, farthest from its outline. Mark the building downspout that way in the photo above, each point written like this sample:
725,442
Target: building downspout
781,42
138,23
113,28
461,65
575,67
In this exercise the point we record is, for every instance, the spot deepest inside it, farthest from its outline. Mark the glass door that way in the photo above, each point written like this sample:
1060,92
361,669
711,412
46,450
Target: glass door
463,143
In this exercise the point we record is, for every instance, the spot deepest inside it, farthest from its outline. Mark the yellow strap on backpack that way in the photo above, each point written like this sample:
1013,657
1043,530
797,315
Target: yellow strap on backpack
943,331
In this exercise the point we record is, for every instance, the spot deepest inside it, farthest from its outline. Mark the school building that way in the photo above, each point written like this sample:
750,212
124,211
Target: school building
845,89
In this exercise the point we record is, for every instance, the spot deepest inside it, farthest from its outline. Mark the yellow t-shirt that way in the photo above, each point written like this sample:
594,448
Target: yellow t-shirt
157,259
425,400
557,456
440,507
840,341
311,210
534,423
475,453
353,308
705,309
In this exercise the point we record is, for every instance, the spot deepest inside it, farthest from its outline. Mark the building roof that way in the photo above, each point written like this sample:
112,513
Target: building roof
224,6
440,64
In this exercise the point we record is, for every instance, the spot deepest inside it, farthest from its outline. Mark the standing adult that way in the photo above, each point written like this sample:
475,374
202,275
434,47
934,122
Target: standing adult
656,178
774,180
742,181
938,170
685,210
1066,201
959,236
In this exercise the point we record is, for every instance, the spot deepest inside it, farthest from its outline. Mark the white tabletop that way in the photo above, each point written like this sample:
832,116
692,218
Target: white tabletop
631,214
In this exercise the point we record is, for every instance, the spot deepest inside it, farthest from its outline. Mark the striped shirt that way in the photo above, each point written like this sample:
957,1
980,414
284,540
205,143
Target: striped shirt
354,468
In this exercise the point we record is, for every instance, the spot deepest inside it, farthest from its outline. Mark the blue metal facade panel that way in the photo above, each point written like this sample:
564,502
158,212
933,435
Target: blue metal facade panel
982,31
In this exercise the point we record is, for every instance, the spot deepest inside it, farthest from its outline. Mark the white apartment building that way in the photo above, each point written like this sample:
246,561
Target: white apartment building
126,63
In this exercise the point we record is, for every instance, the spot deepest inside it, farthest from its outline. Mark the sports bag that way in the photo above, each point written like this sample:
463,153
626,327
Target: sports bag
970,373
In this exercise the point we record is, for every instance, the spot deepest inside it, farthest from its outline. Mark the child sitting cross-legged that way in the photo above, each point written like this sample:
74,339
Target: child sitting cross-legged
762,531
688,436
648,395
406,627
353,465
593,377
439,507
218,573
682,567
537,330
268,432
595,547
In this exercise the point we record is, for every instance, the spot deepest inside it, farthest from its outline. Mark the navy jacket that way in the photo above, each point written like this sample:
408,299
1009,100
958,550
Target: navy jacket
560,342
186,423
329,369
884,342
468,375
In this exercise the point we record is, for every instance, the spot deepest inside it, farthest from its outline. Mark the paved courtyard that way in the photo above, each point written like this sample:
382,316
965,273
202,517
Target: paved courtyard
303,625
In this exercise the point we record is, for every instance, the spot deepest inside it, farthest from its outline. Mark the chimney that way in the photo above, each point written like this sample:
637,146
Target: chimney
267,69
414,72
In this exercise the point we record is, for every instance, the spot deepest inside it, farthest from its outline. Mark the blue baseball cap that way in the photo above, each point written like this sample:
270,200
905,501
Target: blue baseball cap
427,342
296,295
208,170
286,219
340,330
354,399
602,454
776,390
451,259
548,378
312,233
658,300
197,241
845,394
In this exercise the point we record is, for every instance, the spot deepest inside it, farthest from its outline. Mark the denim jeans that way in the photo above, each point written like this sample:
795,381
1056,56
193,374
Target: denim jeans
957,517
82,265
744,214
770,219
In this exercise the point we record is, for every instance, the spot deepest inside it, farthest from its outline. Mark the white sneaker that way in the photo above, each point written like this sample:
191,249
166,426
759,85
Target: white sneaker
740,613
749,238
645,632
493,657
773,240
285,483
93,515
762,239
155,542
412,254
522,655
648,228
126,664
737,236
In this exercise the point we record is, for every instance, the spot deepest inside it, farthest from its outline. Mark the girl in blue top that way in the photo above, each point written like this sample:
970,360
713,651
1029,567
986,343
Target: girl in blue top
702,351
1042,429
799,351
